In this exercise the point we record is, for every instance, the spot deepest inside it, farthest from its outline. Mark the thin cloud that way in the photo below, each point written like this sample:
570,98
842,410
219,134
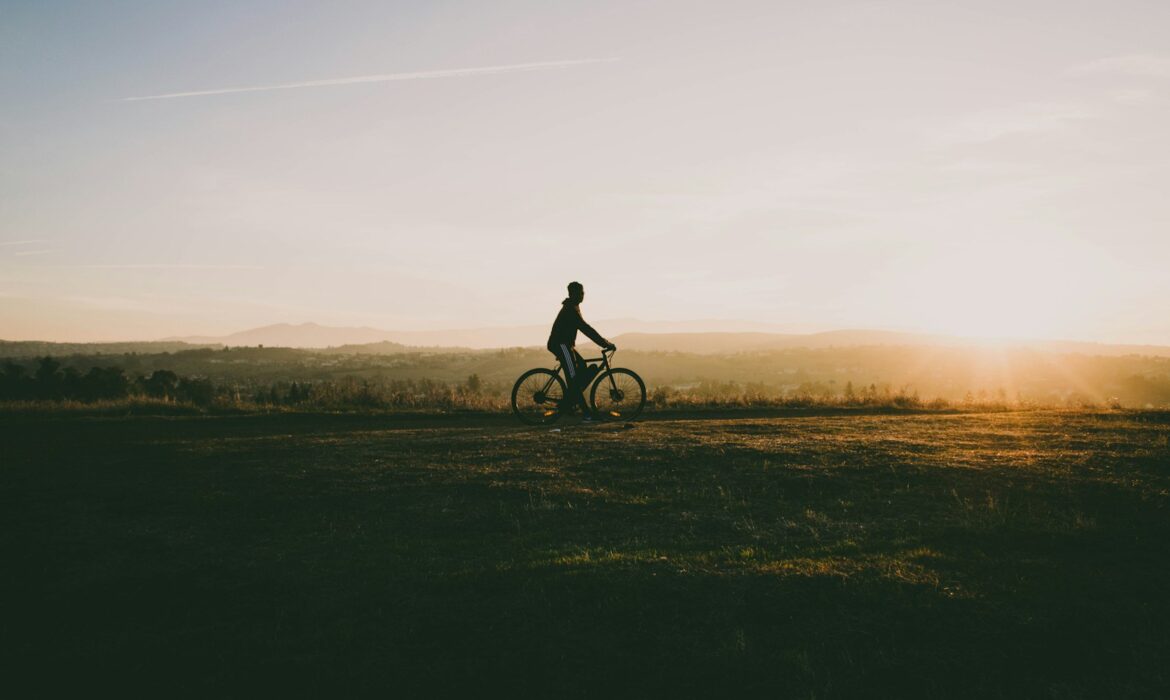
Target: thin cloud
1146,64
24,242
1134,97
35,252
383,78
1029,118
161,266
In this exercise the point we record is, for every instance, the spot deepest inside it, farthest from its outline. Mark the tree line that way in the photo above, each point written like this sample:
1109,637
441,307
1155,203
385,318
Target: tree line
49,381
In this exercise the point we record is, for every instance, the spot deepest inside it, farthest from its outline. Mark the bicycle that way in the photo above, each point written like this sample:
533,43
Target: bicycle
617,392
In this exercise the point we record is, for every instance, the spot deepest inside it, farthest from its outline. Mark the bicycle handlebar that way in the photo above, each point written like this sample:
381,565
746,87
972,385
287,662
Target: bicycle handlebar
603,353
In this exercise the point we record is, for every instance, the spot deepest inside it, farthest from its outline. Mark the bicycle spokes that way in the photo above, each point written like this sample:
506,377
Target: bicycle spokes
537,396
619,392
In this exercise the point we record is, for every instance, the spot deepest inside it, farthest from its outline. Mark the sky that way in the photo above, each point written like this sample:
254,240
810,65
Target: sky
978,168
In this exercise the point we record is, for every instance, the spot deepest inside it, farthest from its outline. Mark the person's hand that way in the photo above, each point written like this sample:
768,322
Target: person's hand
610,346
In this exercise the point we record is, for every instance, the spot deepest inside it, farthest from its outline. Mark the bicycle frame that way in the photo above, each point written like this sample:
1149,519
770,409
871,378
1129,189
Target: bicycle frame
605,356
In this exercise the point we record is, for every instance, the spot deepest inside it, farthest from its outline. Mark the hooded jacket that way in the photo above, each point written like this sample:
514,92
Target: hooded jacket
569,321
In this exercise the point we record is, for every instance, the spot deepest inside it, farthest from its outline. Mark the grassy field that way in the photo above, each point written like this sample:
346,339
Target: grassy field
1013,554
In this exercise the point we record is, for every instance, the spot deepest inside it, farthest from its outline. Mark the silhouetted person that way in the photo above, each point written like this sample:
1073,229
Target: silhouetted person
562,342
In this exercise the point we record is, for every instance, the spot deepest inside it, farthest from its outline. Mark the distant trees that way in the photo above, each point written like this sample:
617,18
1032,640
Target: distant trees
276,394
196,390
163,384
15,382
49,381
99,383
473,385
246,379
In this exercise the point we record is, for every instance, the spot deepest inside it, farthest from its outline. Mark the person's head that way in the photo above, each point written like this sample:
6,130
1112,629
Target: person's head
576,292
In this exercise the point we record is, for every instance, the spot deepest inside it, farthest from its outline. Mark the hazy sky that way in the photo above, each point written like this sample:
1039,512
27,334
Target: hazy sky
970,167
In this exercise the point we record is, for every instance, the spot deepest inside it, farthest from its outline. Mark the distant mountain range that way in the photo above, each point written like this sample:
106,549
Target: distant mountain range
303,335
312,335
703,337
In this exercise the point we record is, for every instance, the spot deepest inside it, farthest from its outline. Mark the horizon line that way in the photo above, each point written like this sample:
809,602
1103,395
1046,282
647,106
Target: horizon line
217,339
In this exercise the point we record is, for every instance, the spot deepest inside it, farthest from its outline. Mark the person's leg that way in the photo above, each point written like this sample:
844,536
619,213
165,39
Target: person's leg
570,361
583,381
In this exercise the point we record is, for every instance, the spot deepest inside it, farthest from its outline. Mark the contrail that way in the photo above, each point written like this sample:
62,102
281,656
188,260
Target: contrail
384,78
158,267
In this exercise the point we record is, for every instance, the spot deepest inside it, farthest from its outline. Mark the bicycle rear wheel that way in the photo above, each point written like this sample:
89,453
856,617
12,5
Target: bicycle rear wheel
537,396
618,393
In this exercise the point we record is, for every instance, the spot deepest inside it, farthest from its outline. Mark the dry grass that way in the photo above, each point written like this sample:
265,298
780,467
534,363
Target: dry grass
941,555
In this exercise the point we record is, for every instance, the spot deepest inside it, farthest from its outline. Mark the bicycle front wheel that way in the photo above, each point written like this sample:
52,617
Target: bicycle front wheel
618,393
537,396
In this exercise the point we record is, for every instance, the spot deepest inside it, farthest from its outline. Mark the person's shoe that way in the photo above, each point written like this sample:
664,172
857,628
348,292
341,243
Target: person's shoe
589,418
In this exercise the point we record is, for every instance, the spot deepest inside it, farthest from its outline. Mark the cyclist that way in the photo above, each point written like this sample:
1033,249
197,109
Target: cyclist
562,341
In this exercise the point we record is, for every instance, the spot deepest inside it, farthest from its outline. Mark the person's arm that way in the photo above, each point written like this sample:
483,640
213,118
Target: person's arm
589,331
